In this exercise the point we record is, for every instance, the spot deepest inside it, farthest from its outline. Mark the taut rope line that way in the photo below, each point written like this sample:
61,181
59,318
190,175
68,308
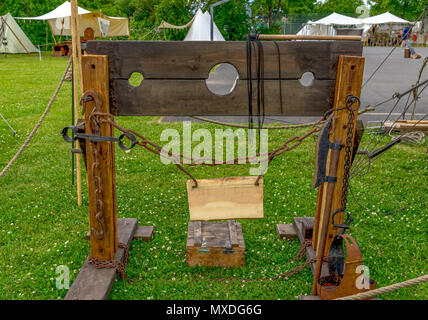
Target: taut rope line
27,141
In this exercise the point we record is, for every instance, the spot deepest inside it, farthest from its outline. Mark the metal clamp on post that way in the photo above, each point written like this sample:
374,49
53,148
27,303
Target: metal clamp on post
99,138
346,225
204,248
228,249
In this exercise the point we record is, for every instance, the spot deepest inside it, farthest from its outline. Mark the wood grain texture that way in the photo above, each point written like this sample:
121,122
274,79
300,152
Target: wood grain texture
96,78
195,59
214,235
225,198
175,73
310,252
95,284
286,231
192,97
144,233
349,79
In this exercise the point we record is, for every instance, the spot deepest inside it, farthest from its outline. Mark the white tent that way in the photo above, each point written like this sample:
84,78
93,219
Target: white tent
384,18
385,21
59,21
310,29
12,38
338,19
200,29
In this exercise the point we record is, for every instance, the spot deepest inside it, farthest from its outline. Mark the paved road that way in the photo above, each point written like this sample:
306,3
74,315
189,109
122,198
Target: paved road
395,75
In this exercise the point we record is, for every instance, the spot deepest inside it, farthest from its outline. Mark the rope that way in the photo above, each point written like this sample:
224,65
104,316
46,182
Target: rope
293,126
27,141
393,287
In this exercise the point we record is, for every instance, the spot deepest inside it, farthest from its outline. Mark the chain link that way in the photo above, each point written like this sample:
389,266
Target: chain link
350,101
119,266
95,128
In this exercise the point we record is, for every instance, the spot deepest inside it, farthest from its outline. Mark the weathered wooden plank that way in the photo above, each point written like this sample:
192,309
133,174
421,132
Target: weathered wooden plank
286,231
100,163
144,233
225,198
195,59
95,284
298,224
232,233
192,97
197,233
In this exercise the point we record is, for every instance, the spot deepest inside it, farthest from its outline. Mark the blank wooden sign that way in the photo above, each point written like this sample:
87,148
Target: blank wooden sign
225,198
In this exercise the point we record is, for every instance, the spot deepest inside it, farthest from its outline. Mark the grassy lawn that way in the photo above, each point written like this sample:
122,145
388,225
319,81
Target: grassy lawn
41,226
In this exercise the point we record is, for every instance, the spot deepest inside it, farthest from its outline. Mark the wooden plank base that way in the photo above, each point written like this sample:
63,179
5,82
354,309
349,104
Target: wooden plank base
144,233
310,252
95,284
286,231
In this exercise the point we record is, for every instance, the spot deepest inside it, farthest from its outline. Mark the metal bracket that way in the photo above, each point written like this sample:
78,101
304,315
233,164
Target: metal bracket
204,249
99,138
228,249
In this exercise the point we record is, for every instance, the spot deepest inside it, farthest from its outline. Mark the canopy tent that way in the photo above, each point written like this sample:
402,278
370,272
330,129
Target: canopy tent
384,18
200,28
103,26
166,25
316,29
386,22
338,19
12,38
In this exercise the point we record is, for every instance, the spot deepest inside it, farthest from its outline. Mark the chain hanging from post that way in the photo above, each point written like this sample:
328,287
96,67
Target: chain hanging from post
350,101
119,266
95,129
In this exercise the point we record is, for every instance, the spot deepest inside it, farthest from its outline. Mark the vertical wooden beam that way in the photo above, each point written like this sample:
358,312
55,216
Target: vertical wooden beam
349,78
96,78
77,65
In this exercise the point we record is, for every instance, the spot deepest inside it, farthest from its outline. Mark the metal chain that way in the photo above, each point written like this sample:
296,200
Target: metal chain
177,158
350,101
95,169
114,264
287,274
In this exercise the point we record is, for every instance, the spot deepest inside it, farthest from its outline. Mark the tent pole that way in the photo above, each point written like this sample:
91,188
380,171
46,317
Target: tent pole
15,35
77,55
53,36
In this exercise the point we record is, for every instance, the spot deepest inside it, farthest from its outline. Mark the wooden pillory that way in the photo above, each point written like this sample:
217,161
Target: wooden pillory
174,84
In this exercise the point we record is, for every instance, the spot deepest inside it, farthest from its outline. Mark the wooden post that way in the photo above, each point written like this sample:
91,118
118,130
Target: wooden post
100,162
350,71
77,57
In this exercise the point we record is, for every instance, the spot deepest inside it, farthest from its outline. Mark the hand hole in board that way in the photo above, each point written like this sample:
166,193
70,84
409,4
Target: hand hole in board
222,79
307,79
136,79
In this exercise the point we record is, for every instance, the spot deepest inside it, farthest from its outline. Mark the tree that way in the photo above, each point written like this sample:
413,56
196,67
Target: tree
233,20
267,8
347,7
406,9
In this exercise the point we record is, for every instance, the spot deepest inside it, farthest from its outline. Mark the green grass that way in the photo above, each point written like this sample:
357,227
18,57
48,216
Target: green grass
42,227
